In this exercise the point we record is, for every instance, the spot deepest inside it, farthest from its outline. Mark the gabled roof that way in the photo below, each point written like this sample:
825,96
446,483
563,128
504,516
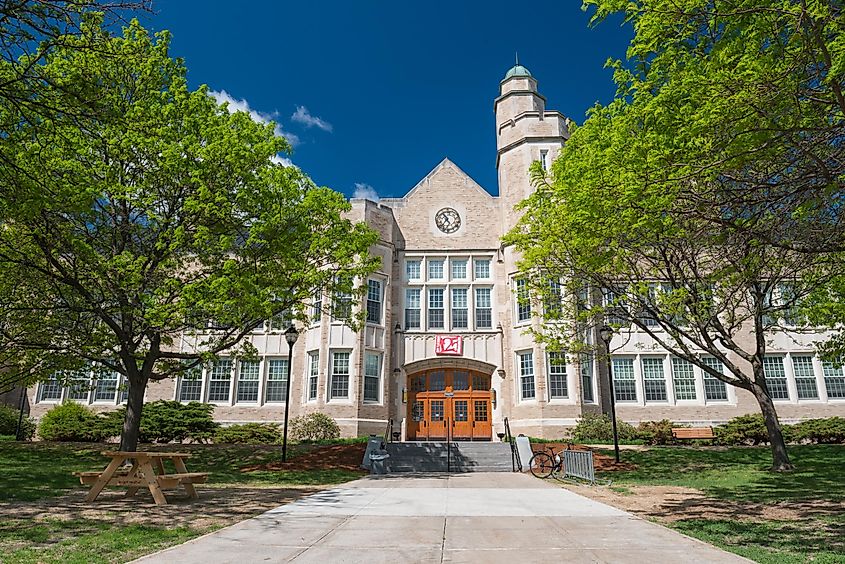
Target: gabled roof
446,163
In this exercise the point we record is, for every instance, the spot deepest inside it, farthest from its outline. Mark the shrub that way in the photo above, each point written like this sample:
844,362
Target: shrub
597,428
71,421
9,423
656,432
822,431
743,430
250,434
165,421
313,427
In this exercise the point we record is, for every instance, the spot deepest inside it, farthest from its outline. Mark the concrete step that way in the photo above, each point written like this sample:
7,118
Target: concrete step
443,457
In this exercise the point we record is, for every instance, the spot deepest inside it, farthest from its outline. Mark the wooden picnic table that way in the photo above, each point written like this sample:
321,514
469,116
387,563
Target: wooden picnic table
146,470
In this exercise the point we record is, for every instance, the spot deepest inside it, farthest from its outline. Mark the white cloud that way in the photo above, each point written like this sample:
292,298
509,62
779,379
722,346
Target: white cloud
242,105
365,191
281,160
301,115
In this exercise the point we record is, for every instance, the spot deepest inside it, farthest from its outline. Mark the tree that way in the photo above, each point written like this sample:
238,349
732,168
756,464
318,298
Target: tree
137,222
705,214
742,105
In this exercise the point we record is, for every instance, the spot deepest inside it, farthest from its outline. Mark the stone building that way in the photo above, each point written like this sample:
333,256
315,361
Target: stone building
445,348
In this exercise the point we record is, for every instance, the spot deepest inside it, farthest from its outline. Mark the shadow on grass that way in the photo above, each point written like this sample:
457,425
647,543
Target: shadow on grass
741,473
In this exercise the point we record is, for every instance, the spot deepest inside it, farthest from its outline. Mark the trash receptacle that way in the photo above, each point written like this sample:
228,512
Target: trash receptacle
377,462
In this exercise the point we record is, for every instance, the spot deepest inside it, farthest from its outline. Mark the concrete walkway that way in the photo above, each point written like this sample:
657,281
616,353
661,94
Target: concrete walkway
475,517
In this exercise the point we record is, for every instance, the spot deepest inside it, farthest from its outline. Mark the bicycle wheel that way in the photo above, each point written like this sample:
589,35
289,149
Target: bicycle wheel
542,465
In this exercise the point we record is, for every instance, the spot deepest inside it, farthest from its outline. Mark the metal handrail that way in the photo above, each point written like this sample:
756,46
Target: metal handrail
515,461
388,431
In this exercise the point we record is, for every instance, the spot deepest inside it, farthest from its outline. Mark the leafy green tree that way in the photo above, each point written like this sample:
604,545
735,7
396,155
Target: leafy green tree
129,227
703,202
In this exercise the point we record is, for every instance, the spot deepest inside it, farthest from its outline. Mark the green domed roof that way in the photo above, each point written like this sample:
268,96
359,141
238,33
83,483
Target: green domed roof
517,70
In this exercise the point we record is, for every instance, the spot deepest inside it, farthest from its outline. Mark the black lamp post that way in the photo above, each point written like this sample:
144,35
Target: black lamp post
291,334
606,334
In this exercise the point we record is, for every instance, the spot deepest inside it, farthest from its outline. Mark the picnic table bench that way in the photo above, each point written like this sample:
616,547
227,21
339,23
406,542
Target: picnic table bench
692,432
146,470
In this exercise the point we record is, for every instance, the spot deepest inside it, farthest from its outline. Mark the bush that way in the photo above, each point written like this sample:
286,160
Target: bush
314,427
9,423
656,432
250,434
820,431
597,428
743,430
71,421
165,421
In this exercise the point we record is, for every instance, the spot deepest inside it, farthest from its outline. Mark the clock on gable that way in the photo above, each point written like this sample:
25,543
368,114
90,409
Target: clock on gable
447,220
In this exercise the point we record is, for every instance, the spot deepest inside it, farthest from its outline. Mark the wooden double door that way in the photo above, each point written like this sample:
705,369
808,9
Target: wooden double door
446,403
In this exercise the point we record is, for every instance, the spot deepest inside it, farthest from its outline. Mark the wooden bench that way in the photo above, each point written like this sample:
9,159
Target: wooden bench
683,433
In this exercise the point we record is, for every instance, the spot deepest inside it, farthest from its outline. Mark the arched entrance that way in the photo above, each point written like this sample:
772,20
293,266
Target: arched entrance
449,402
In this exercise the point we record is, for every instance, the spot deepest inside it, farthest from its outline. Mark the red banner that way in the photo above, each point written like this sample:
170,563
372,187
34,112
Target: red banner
450,345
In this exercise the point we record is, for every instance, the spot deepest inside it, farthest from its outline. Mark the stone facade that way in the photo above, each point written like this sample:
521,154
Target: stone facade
445,273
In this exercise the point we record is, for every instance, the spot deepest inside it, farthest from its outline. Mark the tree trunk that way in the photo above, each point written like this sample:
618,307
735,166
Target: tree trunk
134,407
780,458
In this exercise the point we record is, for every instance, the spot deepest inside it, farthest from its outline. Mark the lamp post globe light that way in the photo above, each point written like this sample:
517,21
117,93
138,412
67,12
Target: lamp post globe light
291,335
606,334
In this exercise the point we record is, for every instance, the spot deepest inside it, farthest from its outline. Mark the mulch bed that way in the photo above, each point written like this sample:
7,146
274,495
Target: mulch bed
329,457
601,462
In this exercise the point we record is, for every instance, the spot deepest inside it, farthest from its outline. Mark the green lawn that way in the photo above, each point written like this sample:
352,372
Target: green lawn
31,471
31,474
740,477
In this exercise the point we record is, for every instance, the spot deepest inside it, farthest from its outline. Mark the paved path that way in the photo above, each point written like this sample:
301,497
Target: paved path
476,517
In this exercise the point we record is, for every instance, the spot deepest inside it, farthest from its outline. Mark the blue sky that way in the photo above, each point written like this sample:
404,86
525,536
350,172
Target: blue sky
375,94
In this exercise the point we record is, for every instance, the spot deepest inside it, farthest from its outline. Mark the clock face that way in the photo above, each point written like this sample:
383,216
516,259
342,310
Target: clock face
447,220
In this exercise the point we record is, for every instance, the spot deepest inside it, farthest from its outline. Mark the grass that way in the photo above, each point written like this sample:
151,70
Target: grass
740,473
84,541
32,471
740,477
35,472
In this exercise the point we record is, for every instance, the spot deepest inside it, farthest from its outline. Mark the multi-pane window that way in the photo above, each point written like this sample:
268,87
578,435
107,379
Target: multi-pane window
544,159
624,385
461,411
805,377
460,313
412,269
481,410
437,410
586,362
614,302
317,306
339,388
220,380
714,389
412,308
372,377
554,298
483,309
435,269
79,386
50,390
313,374
459,269
683,378
557,376
281,320
248,377
834,381
526,375
775,377
373,301
460,380
106,386
341,305
435,308
277,380
523,301
190,384
654,382
482,268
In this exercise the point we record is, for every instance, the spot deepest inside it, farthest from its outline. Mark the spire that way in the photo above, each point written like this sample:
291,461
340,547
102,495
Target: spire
517,57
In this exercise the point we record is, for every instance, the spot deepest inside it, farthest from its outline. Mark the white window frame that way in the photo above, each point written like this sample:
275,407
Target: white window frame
553,369
265,372
419,309
429,262
239,379
379,359
330,398
313,376
209,379
380,302
521,375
